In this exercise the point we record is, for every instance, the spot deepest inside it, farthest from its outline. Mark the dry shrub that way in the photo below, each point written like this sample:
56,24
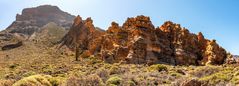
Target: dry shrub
103,74
204,71
90,80
6,82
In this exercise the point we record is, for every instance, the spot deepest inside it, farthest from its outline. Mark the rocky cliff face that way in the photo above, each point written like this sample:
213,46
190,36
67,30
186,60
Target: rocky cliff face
81,33
138,41
32,19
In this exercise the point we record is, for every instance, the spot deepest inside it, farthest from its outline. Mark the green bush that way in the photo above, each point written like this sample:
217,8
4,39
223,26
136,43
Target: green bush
39,80
157,67
235,79
114,69
175,74
115,80
91,60
131,83
55,81
35,80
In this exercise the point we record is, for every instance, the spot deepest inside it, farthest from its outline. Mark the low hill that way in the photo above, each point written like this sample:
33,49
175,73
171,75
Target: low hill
49,34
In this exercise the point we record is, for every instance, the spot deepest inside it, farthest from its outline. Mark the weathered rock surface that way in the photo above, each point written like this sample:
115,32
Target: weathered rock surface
138,41
9,41
11,46
32,19
81,34
232,59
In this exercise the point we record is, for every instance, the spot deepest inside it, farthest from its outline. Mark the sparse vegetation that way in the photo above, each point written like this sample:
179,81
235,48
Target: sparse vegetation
62,72
224,75
41,65
90,80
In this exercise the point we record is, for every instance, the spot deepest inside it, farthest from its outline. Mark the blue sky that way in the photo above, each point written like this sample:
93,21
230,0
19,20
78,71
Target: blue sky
217,19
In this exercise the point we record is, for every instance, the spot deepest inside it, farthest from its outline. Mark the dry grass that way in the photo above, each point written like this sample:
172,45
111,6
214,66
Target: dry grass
24,64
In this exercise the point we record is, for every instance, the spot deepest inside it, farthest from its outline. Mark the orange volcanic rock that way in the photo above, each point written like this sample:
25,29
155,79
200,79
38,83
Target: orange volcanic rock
79,34
200,37
182,43
138,22
82,34
214,54
202,42
114,28
138,41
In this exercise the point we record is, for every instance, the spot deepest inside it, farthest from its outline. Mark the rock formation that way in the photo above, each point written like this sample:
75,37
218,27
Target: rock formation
9,41
32,19
138,41
11,46
232,59
80,36
236,58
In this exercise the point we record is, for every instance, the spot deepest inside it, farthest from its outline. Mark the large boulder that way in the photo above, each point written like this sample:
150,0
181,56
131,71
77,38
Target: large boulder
10,40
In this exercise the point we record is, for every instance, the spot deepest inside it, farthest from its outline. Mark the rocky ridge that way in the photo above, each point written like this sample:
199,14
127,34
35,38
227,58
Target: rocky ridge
32,19
138,41
31,22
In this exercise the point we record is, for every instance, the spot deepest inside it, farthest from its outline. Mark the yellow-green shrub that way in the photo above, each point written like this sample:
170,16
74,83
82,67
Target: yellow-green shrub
35,80
115,80
157,67
38,80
